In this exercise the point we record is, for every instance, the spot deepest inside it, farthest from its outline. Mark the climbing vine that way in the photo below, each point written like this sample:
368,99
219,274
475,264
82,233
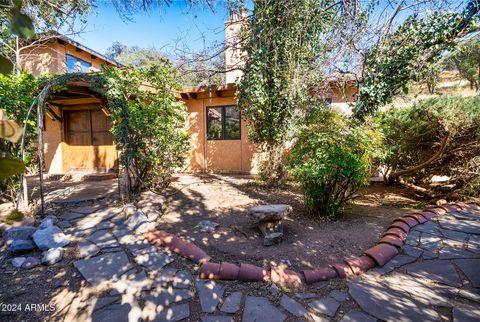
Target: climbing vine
406,53
281,40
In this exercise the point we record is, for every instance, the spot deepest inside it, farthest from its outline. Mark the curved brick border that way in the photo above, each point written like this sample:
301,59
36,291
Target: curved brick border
386,249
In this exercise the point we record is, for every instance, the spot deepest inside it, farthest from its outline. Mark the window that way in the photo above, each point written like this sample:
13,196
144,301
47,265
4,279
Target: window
223,123
77,65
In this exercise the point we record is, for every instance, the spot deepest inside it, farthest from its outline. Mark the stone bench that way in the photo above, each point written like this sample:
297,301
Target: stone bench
269,219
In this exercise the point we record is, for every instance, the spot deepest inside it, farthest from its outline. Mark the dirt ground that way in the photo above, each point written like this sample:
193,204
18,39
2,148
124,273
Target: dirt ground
308,242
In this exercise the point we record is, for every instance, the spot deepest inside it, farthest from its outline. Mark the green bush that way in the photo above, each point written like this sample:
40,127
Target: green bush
438,136
330,160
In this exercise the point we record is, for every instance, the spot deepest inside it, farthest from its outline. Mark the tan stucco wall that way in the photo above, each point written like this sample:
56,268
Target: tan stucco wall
49,58
53,145
215,155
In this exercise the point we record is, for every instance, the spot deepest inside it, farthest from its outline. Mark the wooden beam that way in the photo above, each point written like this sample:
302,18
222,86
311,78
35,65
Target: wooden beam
75,101
218,93
184,96
51,113
192,96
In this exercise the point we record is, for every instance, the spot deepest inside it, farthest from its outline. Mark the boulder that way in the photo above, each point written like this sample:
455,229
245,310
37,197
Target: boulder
22,232
48,221
52,256
269,212
50,237
21,246
207,226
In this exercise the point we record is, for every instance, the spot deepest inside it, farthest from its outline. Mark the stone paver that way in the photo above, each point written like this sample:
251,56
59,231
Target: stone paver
327,306
231,304
259,309
103,268
471,268
419,284
356,316
387,304
439,271
466,314
210,294
292,306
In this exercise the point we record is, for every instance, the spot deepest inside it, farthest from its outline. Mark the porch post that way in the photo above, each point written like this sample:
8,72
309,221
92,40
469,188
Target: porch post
40,151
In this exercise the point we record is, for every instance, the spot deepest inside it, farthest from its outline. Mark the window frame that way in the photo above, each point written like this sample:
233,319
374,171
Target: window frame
78,59
223,123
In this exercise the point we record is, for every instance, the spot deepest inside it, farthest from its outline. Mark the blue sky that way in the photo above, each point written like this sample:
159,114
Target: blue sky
160,28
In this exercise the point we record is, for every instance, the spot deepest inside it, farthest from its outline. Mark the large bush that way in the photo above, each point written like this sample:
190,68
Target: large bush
330,160
435,137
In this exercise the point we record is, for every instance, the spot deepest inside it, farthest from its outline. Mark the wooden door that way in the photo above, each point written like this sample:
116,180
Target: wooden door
88,141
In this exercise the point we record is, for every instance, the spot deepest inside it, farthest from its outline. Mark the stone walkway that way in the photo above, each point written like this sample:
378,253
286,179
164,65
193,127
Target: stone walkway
436,277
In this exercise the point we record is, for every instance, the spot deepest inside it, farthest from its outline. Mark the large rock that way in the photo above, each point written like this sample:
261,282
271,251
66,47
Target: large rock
20,246
104,268
269,212
272,239
50,220
22,232
260,309
52,256
50,237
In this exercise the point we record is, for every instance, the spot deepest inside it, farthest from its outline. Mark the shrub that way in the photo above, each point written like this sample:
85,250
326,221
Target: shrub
438,136
330,160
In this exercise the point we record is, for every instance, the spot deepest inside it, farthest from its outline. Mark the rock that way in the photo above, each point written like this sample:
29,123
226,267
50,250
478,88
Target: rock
232,303
357,316
260,309
217,318
470,267
137,222
327,306
22,232
292,306
30,262
153,261
305,296
274,289
52,256
387,304
103,239
114,312
64,224
18,261
20,246
50,237
396,262
183,279
339,296
272,239
104,268
174,313
207,226
269,212
129,210
210,294
88,249
466,314
439,271
48,221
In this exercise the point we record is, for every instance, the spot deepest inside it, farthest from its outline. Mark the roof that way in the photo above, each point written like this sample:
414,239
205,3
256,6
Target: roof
65,39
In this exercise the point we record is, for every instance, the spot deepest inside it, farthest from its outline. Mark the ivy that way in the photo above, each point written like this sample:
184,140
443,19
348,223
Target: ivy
405,54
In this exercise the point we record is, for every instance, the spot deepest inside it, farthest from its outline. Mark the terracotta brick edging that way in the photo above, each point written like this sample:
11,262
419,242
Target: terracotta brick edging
385,250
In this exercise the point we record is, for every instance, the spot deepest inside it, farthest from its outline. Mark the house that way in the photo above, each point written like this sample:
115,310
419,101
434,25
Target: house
76,132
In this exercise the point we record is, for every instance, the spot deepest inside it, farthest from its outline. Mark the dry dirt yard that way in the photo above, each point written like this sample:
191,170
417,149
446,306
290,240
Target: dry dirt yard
308,242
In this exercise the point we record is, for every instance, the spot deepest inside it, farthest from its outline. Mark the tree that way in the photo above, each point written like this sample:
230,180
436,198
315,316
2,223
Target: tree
417,44
27,24
466,61
281,40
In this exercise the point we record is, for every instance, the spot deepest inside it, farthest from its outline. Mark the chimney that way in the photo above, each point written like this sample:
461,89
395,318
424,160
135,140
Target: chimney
233,53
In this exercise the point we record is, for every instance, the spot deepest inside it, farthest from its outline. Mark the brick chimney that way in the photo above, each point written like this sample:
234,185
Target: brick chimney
233,53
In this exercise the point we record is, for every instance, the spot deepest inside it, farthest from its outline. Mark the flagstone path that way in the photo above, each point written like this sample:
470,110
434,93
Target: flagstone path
435,278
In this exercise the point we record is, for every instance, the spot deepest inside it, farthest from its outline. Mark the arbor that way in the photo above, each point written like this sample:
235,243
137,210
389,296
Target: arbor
281,40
